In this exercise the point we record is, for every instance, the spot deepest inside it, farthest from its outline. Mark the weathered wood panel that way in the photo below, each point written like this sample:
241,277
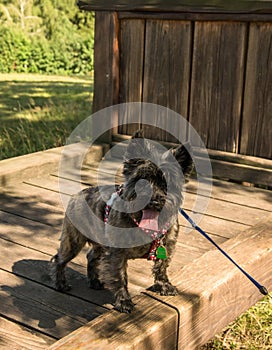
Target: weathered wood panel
211,294
256,132
217,83
27,296
132,41
15,337
152,325
106,71
217,290
243,6
167,72
55,314
198,16
225,165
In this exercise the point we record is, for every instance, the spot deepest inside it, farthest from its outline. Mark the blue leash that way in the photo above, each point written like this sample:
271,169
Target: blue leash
261,288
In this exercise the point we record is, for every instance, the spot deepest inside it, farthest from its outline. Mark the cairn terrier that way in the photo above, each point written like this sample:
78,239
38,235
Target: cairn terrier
138,219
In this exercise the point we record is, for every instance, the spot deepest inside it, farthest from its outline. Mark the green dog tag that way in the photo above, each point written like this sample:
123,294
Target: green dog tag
161,252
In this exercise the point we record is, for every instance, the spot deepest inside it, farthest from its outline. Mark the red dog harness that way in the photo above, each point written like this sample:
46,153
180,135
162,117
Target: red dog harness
157,249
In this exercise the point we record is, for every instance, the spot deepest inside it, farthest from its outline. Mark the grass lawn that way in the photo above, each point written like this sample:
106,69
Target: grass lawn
38,112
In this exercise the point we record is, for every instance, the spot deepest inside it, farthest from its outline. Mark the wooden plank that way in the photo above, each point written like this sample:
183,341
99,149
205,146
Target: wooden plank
254,170
213,292
25,232
51,183
132,37
13,170
240,159
41,308
166,82
16,337
30,233
106,70
231,192
197,16
211,223
227,210
242,173
29,207
216,227
216,92
152,325
257,122
20,239
223,211
23,190
29,263
221,6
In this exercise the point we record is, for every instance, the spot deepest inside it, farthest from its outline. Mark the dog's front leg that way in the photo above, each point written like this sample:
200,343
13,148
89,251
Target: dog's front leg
162,284
114,276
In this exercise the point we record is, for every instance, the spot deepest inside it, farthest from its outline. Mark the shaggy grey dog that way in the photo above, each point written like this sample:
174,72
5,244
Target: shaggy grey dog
135,220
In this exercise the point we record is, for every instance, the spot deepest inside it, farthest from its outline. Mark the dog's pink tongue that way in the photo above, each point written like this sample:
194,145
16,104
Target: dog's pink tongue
149,220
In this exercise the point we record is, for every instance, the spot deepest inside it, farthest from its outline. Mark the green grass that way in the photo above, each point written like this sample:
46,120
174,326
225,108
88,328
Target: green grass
251,331
38,112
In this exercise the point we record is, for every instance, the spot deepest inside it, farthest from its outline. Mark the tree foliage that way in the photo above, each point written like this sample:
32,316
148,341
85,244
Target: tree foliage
45,36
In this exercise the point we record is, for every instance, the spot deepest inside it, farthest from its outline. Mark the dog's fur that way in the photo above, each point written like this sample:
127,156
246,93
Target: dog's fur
107,265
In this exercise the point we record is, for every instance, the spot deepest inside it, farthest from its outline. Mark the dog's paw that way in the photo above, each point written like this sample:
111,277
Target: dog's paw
62,287
95,284
125,306
164,288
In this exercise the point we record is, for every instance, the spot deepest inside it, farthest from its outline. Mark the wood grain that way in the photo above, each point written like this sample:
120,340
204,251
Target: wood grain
15,337
257,122
197,16
211,288
167,74
211,291
233,6
106,69
13,170
132,41
152,325
217,83
55,314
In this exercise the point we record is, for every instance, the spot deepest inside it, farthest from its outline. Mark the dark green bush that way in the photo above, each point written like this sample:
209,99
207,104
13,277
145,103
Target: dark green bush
19,52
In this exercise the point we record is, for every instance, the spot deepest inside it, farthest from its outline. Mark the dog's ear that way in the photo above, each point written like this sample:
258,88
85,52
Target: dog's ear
138,134
183,156
137,147
137,152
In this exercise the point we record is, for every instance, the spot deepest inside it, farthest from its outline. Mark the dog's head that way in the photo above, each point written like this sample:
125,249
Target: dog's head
154,177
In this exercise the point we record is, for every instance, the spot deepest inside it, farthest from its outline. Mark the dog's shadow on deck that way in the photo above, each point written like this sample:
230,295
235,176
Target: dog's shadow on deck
30,296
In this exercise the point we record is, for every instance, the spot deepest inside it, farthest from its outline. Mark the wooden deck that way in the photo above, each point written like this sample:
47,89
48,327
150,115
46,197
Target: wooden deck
212,291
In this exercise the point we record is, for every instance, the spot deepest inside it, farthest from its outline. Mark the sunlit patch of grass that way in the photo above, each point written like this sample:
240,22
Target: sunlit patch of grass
251,331
39,112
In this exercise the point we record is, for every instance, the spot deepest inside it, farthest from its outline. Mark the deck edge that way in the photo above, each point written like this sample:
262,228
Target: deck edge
209,298
17,169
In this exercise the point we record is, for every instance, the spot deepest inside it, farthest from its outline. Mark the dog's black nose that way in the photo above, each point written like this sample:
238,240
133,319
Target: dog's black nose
156,204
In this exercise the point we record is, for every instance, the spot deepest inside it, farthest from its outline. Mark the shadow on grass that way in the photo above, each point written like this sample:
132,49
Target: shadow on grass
37,115
33,96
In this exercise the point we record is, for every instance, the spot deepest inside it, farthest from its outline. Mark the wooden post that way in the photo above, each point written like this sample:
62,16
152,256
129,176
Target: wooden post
106,67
